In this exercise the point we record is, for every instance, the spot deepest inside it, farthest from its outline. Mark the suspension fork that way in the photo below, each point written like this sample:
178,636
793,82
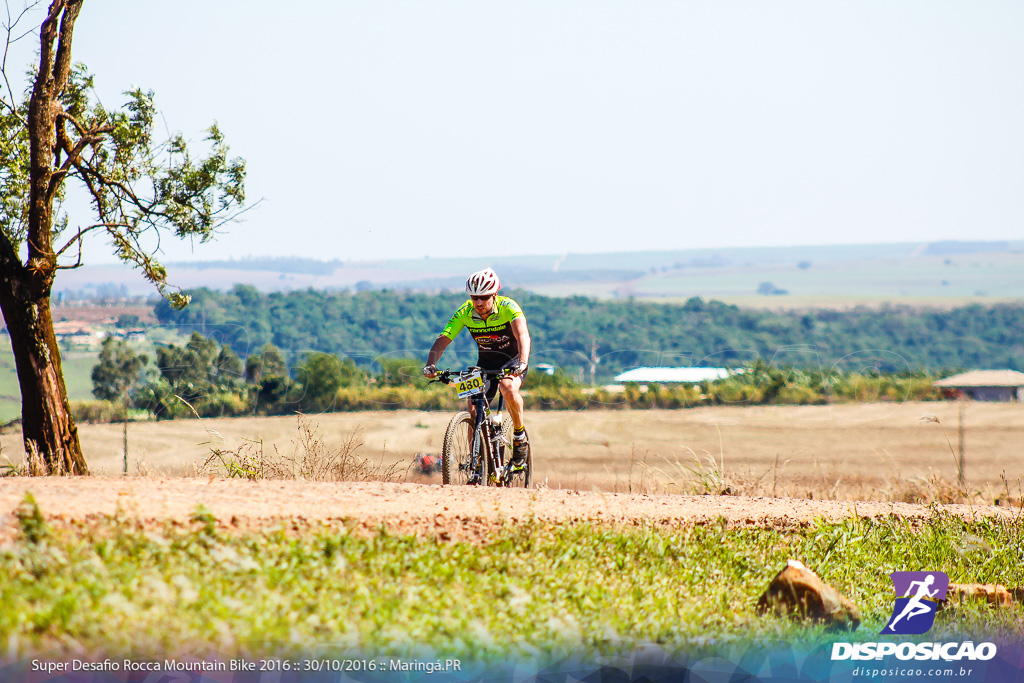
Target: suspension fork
479,441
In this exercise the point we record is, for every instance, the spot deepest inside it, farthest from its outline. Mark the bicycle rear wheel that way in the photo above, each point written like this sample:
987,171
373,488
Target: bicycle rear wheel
457,451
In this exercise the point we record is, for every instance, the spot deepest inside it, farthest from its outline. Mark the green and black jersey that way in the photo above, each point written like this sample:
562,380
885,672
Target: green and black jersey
494,337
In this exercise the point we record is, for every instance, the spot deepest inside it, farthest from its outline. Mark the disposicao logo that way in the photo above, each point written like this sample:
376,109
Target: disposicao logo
917,596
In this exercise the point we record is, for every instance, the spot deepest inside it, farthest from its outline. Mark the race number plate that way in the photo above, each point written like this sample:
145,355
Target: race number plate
470,385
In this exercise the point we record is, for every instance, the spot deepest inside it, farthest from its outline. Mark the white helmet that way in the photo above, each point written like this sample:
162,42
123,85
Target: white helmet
482,283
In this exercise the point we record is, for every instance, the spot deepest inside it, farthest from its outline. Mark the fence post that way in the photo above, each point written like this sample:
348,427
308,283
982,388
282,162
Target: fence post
124,421
960,432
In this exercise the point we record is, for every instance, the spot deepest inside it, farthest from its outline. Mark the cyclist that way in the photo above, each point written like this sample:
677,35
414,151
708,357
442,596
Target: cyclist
499,329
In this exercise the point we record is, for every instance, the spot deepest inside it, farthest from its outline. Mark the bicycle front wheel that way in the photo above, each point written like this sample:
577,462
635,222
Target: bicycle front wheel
457,450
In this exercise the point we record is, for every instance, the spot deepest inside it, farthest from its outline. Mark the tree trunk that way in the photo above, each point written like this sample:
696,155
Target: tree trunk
51,437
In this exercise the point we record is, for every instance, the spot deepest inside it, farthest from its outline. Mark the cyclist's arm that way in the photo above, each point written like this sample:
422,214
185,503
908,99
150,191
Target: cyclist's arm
522,333
437,349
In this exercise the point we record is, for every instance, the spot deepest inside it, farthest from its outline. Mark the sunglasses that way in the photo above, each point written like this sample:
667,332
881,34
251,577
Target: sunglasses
481,298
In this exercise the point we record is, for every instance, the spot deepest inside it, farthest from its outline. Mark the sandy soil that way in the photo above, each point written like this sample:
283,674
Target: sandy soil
448,512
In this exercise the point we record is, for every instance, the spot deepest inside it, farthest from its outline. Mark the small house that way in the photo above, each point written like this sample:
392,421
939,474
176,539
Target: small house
79,333
986,385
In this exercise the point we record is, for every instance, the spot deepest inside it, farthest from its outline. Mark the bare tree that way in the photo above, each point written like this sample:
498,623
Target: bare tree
138,189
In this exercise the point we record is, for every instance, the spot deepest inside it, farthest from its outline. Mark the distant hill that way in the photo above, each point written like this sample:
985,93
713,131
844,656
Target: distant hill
276,264
938,273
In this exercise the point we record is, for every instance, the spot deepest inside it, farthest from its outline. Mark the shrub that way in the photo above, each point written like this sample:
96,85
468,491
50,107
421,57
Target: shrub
799,395
222,404
98,411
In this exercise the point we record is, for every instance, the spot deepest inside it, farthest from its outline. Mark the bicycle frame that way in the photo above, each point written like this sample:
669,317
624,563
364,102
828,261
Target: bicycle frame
487,456
487,437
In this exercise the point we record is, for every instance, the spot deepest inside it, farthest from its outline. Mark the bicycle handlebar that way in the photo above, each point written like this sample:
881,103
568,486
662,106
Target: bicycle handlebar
445,376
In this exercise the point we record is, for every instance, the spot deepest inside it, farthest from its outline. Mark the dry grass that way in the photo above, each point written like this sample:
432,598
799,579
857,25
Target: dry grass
310,458
702,475
10,469
870,451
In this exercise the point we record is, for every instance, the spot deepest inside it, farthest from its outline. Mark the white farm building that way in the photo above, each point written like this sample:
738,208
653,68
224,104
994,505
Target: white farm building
987,385
674,375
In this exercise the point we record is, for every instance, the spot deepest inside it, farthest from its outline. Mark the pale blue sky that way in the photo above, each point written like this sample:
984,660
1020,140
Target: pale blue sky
381,129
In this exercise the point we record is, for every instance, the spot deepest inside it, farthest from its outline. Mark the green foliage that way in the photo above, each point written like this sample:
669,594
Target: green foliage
199,368
271,395
158,397
119,370
205,378
201,373
14,176
320,376
399,372
760,385
267,373
434,397
267,362
368,325
542,380
529,590
30,520
99,411
221,404
137,182
57,135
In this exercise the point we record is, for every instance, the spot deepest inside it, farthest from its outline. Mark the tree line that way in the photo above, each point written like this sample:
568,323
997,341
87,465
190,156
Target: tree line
204,378
584,336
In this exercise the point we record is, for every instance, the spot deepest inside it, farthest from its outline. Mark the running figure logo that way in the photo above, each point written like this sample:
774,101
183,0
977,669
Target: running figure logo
919,593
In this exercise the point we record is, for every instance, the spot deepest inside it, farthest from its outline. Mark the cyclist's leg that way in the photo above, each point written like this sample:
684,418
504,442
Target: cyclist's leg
514,400
509,387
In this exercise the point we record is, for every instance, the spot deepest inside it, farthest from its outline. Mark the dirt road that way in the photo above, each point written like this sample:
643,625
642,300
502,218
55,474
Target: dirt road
444,511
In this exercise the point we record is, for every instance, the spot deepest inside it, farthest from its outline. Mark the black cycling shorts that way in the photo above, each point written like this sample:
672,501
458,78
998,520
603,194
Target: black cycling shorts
492,384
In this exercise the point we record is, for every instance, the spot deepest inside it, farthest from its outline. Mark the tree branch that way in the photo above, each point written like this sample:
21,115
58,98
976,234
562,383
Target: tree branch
127,193
78,262
74,152
9,255
82,130
47,36
96,196
78,238
9,27
62,63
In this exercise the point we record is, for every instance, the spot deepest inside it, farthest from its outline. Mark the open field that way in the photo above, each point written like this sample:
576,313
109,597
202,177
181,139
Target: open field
921,280
857,451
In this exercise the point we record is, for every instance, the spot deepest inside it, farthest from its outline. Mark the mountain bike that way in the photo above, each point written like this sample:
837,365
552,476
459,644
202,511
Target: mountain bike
475,446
